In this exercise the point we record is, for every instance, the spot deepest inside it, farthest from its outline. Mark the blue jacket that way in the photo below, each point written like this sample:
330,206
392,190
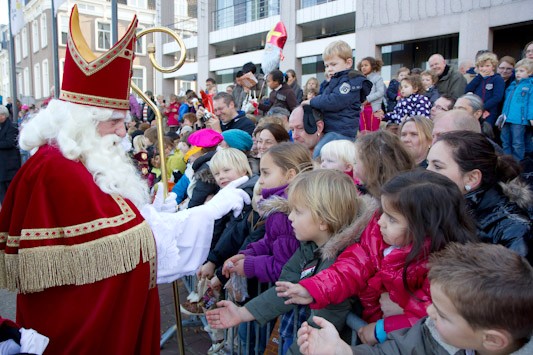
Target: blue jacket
491,90
518,106
340,102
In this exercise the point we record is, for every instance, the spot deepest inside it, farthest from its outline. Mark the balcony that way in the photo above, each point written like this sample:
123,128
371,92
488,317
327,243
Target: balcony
244,12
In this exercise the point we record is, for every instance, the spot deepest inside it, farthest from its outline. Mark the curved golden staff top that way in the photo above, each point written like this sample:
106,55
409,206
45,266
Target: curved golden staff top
150,103
161,145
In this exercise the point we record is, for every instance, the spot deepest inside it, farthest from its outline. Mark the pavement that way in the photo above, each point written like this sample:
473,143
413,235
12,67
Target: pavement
196,341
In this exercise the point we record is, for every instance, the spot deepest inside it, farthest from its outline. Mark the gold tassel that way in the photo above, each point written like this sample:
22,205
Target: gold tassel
50,266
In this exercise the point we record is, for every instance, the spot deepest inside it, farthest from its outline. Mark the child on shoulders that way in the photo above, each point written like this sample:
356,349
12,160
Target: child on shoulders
413,101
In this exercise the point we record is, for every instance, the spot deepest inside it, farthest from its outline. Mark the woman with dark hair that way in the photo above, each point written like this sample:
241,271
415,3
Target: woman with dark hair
496,197
269,135
290,77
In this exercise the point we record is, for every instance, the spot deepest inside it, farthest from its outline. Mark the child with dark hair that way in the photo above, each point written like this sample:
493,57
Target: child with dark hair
413,102
391,256
482,303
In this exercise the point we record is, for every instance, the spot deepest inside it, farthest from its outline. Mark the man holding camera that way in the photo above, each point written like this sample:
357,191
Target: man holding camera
226,115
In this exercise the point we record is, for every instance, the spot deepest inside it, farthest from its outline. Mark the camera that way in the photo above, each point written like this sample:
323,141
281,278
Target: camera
206,117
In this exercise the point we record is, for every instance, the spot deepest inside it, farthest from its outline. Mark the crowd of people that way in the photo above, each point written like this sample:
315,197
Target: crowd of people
402,212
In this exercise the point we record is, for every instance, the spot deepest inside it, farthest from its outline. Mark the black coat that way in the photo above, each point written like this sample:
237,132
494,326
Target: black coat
205,182
9,151
501,217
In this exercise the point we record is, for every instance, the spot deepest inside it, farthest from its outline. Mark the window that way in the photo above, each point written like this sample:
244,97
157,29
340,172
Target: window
20,84
138,76
37,84
44,31
140,47
63,29
46,79
27,90
103,35
24,35
17,49
35,36
138,3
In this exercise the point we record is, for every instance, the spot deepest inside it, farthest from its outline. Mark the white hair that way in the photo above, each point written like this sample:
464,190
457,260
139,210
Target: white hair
73,129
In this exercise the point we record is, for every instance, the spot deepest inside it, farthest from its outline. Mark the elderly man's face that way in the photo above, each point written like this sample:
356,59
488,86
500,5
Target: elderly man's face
437,65
296,124
112,126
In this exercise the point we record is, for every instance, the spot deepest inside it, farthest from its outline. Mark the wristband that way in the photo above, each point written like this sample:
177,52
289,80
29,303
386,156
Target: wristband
379,331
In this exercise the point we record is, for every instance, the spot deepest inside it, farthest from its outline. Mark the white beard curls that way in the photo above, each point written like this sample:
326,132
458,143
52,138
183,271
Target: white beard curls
72,128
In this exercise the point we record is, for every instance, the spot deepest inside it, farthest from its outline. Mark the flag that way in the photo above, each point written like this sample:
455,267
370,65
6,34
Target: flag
16,16
57,4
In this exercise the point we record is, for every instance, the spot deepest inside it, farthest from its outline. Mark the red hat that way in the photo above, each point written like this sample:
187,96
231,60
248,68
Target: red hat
97,81
205,138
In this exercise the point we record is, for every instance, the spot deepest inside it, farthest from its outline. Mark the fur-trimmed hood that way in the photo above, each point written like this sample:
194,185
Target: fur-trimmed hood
205,175
518,192
351,233
338,242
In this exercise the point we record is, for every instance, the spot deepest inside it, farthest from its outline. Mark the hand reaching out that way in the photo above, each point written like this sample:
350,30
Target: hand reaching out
296,293
322,341
227,315
366,334
230,263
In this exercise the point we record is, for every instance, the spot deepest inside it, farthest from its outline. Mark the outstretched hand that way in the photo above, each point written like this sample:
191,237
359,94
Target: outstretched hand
230,198
227,268
296,293
322,341
227,315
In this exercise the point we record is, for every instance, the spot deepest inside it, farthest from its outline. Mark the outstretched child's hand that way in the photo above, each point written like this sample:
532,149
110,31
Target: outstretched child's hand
238,268
206,271
230,263
325,340
227,315
366,334
296,293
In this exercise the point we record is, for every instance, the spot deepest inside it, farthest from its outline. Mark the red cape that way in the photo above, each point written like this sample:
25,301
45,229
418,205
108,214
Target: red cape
83,261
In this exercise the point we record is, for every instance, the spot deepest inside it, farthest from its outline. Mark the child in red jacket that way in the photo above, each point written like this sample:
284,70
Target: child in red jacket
421,213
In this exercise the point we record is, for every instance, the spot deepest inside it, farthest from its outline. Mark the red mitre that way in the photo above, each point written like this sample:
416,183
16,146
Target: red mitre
98,81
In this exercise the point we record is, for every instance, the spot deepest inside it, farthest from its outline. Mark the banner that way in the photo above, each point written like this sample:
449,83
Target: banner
16,16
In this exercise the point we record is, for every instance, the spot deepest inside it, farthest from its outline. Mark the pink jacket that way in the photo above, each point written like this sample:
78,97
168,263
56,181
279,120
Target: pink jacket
362,270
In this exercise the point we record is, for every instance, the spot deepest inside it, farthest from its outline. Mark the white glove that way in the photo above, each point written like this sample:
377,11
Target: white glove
227,199
168,204
32,342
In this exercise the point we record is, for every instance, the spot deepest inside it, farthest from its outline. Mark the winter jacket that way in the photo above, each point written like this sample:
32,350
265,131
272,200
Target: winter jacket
393,91
203,183
172,112
432,94
422,338
414,105
175,162
9,152
451,82
375,97
266,257
340,102
306,262
239,122
150,114
518,106
362,270
298,92
500,213
284,97
491,90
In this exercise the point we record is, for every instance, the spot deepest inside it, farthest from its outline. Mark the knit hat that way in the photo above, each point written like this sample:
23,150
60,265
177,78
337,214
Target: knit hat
238,139
205,138
311,117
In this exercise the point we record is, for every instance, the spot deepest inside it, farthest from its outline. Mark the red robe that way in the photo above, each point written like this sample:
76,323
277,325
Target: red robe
82,261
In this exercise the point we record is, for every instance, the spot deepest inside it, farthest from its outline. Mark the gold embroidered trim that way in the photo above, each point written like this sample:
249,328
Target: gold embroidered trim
153,273
120,49
3,280
39,268
94,100
80,229
3,237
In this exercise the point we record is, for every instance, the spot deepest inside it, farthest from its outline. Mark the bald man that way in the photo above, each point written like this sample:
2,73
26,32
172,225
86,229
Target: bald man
451,82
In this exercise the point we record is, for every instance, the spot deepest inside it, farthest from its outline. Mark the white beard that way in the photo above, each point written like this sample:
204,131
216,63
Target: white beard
72,128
